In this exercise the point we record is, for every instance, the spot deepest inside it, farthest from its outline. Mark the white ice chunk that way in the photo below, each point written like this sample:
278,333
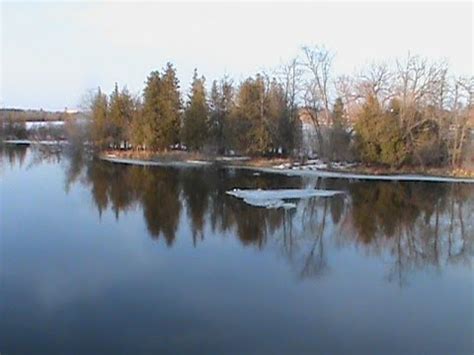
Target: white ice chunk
275,198
33,142
179,164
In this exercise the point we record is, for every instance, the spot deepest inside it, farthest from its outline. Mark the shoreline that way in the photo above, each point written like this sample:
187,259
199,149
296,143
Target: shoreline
282,166
253,165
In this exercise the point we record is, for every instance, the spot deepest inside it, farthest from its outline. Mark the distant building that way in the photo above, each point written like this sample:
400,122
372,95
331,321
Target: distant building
70,111
309,137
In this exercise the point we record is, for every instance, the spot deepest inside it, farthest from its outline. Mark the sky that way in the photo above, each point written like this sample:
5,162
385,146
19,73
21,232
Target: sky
53,53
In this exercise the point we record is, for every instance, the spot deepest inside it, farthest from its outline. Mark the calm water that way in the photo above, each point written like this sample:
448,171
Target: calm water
105,258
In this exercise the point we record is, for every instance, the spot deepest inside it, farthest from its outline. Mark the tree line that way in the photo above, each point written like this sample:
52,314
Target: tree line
255,118
412,111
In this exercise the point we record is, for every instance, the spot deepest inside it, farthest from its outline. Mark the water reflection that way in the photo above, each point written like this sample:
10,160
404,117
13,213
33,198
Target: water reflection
12,155
163,194
411,226
16,155
416,224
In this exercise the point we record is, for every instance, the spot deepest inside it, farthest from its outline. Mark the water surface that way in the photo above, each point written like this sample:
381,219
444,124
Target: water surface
98,257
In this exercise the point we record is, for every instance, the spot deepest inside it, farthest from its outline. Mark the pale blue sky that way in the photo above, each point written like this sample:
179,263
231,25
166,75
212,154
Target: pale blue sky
52,53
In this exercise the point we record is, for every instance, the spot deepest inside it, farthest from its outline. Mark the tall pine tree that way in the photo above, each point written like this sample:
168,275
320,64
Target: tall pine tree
100,125
221,105
161,110
250,124
170,105
195,128
121,112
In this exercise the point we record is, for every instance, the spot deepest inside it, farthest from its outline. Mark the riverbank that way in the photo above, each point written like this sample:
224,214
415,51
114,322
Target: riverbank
289,167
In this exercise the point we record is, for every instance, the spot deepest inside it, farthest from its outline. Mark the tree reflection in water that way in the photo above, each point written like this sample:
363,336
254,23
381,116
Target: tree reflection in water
12,155
413,225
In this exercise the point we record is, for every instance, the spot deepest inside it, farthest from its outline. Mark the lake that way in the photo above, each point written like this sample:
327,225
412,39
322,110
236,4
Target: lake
104,258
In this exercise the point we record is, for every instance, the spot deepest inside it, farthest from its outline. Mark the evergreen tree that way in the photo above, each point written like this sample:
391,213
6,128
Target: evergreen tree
137,126
367,129
339,137
170,105
338,114
250,126
379,136
151,112
114,116
161,110
221,105
278,118
195,124
100,124
121,112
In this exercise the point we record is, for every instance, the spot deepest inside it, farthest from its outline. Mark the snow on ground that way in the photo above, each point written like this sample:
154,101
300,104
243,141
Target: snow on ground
275,198
314,164
232,158
39,124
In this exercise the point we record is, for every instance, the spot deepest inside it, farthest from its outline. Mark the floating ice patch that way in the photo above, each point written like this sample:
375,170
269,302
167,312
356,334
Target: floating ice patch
33,142
275,198
344,175
198,162
178,164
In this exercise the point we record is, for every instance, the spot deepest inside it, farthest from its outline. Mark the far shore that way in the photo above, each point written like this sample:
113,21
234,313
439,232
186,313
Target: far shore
276,165
291,167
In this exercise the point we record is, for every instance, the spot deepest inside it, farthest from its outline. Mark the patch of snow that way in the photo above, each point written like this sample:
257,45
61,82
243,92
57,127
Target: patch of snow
283,166
232,158
343,165
275,198
313,164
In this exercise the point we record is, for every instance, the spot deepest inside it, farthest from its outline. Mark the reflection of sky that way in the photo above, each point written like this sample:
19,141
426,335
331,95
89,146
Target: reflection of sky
78,281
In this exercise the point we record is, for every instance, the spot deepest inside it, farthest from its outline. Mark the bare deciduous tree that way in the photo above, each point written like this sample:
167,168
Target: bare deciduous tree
317,64
376,81
462,112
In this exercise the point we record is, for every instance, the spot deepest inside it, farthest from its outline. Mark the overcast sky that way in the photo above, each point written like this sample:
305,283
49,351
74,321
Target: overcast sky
52,53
